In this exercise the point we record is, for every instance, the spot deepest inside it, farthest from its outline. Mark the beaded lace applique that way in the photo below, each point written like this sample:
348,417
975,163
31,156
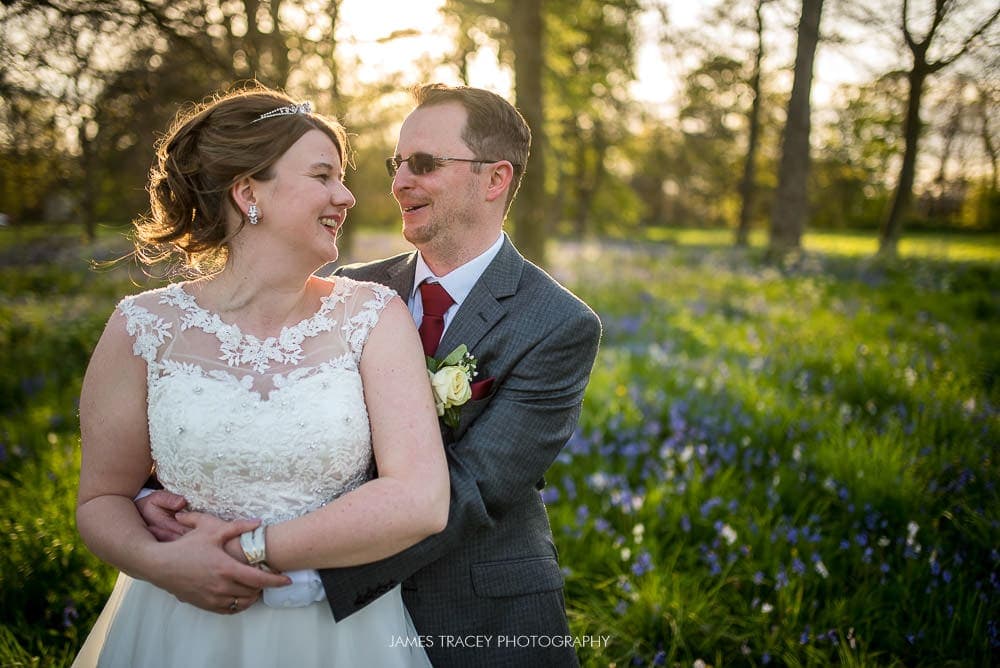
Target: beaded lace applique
244,427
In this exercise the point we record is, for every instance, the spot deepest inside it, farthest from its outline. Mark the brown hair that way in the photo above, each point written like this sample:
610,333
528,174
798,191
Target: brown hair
494,129
208,149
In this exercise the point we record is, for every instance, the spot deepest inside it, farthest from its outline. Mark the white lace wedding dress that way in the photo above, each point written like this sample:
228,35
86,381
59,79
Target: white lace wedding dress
245,428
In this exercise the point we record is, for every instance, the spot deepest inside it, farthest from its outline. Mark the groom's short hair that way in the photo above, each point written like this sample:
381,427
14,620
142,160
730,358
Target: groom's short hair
494,129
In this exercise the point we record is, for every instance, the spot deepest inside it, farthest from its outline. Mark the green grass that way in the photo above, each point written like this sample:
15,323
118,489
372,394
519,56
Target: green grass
952,246
783,465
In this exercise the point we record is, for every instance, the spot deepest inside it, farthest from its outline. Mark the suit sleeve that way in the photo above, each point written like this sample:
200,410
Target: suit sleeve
499,453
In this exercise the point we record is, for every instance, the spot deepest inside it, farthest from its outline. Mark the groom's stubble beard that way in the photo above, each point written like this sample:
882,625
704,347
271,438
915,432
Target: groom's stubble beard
445,226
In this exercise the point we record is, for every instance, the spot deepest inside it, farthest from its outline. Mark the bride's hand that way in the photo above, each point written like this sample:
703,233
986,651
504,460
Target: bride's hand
198,570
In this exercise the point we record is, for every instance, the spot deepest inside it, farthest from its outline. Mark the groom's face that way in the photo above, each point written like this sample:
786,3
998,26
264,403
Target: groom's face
437,205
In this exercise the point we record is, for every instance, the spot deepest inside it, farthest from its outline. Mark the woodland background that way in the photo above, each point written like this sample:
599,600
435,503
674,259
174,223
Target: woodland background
788,453
911,143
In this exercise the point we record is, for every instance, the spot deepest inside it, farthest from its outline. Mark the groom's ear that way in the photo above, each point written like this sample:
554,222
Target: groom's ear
501,175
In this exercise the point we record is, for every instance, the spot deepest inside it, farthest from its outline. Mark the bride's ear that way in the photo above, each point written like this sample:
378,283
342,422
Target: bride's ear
243,195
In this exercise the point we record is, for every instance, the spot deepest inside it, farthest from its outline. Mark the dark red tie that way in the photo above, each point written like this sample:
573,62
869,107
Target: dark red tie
436,301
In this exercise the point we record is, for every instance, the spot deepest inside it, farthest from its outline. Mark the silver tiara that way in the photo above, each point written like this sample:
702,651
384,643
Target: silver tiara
304,108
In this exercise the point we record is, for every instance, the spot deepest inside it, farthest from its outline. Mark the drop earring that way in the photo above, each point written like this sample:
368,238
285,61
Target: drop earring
253,214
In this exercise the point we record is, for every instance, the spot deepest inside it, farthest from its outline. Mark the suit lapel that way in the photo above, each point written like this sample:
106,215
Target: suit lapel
483,308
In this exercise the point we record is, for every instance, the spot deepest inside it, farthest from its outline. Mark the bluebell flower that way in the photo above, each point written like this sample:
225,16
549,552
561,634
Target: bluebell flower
69,615
758,577
993,632
643,563
798,567
569,486
550,495
713,563
707,507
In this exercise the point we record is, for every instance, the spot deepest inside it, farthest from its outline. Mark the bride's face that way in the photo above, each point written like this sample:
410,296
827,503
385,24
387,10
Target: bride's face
304,204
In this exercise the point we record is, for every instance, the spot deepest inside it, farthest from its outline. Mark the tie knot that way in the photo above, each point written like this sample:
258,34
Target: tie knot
435,298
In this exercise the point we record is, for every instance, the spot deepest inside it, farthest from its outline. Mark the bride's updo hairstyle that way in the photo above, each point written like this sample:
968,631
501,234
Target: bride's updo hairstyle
208,149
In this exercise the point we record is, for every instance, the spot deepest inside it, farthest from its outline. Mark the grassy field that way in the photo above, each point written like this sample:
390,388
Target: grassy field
776,465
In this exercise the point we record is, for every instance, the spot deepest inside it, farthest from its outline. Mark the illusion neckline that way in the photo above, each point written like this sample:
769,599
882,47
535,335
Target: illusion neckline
326,304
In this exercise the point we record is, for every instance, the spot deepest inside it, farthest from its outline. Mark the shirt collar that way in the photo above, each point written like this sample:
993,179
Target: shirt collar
459,282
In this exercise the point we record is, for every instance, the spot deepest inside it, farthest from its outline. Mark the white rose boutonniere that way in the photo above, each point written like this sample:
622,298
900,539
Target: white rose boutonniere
451,381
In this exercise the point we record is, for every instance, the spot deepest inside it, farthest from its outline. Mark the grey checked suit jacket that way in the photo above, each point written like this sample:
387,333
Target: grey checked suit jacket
493,572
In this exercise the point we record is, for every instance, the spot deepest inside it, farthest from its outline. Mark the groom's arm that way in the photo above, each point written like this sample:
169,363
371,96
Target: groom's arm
503,453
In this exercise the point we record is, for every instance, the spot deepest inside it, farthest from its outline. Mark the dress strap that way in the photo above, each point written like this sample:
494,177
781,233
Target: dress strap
148,329
358,327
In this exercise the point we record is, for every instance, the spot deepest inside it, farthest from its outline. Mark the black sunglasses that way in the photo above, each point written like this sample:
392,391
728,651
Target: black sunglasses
423,163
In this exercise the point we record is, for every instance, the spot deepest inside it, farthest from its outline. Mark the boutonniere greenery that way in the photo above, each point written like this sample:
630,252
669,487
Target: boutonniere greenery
451,380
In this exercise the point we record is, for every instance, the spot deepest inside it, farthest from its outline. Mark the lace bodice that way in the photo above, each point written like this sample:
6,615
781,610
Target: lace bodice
244,427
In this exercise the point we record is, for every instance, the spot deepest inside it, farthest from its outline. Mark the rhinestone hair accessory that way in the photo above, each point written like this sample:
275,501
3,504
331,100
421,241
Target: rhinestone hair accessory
290,110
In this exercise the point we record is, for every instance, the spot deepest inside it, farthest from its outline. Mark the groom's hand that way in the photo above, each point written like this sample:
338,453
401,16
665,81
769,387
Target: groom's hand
159,511
200,572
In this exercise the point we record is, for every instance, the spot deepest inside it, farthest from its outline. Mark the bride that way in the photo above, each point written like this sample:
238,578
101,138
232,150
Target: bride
265,396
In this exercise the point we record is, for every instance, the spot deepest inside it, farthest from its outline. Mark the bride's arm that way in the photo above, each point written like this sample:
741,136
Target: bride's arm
115,458
116,461
409,499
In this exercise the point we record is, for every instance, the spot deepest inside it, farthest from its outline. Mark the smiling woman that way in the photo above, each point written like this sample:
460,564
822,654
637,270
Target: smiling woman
283,389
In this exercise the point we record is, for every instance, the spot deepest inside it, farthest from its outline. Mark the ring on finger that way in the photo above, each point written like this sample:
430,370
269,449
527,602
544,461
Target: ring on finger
235,605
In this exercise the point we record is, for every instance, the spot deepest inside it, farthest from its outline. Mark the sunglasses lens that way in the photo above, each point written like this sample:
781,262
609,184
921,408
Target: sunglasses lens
422,163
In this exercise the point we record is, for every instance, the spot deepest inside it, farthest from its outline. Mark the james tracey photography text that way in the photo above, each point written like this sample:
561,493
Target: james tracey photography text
504,641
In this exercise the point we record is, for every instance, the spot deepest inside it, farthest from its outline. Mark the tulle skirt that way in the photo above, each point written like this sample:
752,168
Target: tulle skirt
142,625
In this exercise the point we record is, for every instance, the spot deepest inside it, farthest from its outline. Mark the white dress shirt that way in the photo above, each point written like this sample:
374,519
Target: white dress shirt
458,282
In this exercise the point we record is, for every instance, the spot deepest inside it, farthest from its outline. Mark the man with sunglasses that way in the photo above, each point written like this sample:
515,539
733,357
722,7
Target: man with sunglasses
488,590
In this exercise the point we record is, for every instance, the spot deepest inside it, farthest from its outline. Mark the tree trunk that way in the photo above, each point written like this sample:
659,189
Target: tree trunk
748,185
88,202
892,228
791,199
252,39
280,66
530,219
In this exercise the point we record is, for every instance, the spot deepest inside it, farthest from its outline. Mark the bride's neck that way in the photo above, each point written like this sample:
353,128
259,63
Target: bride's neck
265,301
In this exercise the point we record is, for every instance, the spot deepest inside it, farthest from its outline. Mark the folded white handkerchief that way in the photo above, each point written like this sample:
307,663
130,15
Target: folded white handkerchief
306,589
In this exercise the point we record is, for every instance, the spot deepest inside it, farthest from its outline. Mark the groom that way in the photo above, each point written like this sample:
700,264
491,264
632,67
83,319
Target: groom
488,590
